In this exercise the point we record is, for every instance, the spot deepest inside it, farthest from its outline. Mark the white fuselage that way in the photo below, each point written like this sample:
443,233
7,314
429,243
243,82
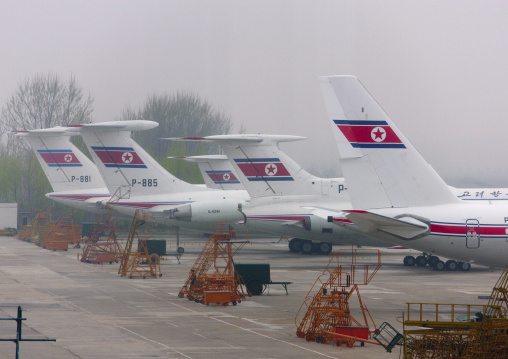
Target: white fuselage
469,232
208,207
295,217
84,199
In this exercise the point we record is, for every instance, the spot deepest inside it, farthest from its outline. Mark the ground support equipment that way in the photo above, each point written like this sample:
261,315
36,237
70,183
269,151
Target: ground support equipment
257,277
40,227
469,331
139,264
325,314
62,233
213,279
97,251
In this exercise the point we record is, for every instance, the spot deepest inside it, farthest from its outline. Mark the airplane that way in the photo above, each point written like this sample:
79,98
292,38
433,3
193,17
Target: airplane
216,170
137,181
53,145
288,201
75,179
398,197
283,196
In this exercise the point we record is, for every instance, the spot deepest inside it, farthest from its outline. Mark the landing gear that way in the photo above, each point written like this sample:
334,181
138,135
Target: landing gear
463,266
421,261
435,263
324,248
451,265
439,266
409,261
432,260
305,246
295,245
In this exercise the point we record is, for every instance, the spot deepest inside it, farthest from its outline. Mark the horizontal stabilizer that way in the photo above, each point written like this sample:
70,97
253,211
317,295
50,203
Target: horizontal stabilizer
136,125
262,168
241,140
203,158
405,227
45,132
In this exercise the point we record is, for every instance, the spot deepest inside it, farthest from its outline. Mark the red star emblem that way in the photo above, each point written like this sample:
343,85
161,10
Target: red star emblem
378,134
271,169
127,157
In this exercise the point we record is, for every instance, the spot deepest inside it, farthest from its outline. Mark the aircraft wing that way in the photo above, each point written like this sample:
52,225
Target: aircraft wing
406,226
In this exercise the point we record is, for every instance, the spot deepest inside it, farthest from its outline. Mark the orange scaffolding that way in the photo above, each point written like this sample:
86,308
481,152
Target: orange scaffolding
62,233
139,264
212,279
41,225
325,313
109,250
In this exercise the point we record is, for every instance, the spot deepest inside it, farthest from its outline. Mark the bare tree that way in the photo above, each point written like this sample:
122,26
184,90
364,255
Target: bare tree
41,102
180,115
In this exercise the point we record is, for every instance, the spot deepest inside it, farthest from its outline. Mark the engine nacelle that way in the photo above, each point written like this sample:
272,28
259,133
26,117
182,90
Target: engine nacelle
207,212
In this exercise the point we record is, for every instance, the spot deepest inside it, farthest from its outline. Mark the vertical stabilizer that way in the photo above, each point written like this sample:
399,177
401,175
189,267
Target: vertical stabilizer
65,166
263,168
217,171
381,166
125,166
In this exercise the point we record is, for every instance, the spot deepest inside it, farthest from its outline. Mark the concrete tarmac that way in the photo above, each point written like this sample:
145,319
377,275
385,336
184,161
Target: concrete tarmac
95,314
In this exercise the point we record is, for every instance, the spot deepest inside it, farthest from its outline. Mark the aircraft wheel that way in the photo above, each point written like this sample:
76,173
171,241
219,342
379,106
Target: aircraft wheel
439,266
295,245
463,266
421,261
325,248
432,260
307,247
451,265
409,261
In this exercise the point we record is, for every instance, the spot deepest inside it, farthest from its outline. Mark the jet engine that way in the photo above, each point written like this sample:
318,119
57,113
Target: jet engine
207,211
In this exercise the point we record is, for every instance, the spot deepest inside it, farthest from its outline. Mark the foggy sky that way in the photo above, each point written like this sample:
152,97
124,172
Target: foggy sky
438,68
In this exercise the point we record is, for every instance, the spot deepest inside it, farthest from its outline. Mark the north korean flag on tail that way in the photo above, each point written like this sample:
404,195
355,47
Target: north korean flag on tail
124,157
222,177
59,158
263,169
369,134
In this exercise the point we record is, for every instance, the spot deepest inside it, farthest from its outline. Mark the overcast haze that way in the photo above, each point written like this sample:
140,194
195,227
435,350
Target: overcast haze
438,68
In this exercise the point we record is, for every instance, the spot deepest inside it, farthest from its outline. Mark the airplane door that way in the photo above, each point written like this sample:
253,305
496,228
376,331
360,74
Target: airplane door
472,233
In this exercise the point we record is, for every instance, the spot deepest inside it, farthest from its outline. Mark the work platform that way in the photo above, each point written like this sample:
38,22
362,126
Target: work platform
95,314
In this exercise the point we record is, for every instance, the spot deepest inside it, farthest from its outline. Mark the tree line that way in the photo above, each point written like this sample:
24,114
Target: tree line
44,101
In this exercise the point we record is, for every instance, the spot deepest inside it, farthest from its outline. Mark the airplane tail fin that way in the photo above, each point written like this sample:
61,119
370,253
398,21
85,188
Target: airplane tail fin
381,166
262,167
125,166
65,166
217,171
